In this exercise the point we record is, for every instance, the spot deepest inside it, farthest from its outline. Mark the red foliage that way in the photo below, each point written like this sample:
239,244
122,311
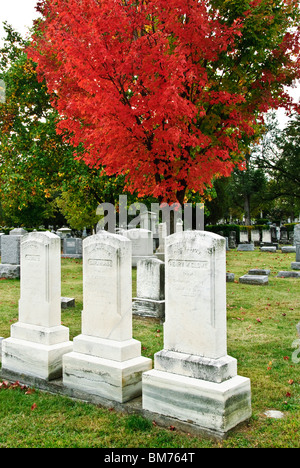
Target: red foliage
139,84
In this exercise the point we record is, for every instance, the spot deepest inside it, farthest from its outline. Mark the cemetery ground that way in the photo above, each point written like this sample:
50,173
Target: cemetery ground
261,330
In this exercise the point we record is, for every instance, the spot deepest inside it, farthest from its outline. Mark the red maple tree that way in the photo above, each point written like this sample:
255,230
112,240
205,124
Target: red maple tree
167,92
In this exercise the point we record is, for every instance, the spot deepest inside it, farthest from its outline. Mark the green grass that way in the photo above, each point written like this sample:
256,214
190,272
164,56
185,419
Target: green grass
261,329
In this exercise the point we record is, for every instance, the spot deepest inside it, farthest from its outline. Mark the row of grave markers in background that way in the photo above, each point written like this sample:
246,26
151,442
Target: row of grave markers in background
143,247
193,379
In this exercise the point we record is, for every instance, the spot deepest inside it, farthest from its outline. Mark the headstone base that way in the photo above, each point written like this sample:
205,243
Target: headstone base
295,265
148,308
214,406
107,368
10,271
36,351
198,367
114,380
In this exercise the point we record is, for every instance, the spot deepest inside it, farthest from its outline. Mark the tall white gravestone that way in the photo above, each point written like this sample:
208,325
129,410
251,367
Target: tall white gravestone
106,361
193,377
38,340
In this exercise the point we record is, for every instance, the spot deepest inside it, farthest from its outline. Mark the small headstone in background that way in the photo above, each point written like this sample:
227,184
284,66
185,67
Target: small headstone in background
261,280
150,300
288,249
296,234
142,243
258,271
72,247
268,248
288,274
229,277
245,248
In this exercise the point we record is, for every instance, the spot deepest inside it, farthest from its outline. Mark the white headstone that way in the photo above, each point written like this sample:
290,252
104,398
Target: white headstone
38,340
162,234
106,361
142,243
296,234
243,236
255,235
194,379
266,236
196,294
10,250
150,300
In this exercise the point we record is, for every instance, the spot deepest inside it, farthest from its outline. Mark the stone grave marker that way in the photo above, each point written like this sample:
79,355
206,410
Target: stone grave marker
232,240
255,236
10,254
162,234
266,236
142,243
106,361
296,265
283,235
244,237
18,232
150,300
259,271
38,340
245,248
72,247
268,248
288,249
1,234
255,279
193,378
288,274
296,239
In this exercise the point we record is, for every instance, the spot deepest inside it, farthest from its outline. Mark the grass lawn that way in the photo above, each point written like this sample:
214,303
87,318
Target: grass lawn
261,332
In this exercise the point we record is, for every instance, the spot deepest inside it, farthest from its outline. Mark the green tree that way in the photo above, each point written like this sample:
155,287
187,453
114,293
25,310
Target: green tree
39,177
278,156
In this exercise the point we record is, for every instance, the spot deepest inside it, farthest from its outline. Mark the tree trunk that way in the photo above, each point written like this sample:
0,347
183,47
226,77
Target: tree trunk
247,210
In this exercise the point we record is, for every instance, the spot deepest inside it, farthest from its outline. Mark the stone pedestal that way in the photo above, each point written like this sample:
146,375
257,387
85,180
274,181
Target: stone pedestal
193,379
38,340
106,361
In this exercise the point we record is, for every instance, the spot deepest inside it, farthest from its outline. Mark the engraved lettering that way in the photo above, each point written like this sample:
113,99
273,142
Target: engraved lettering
33,258
100,262
188,264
